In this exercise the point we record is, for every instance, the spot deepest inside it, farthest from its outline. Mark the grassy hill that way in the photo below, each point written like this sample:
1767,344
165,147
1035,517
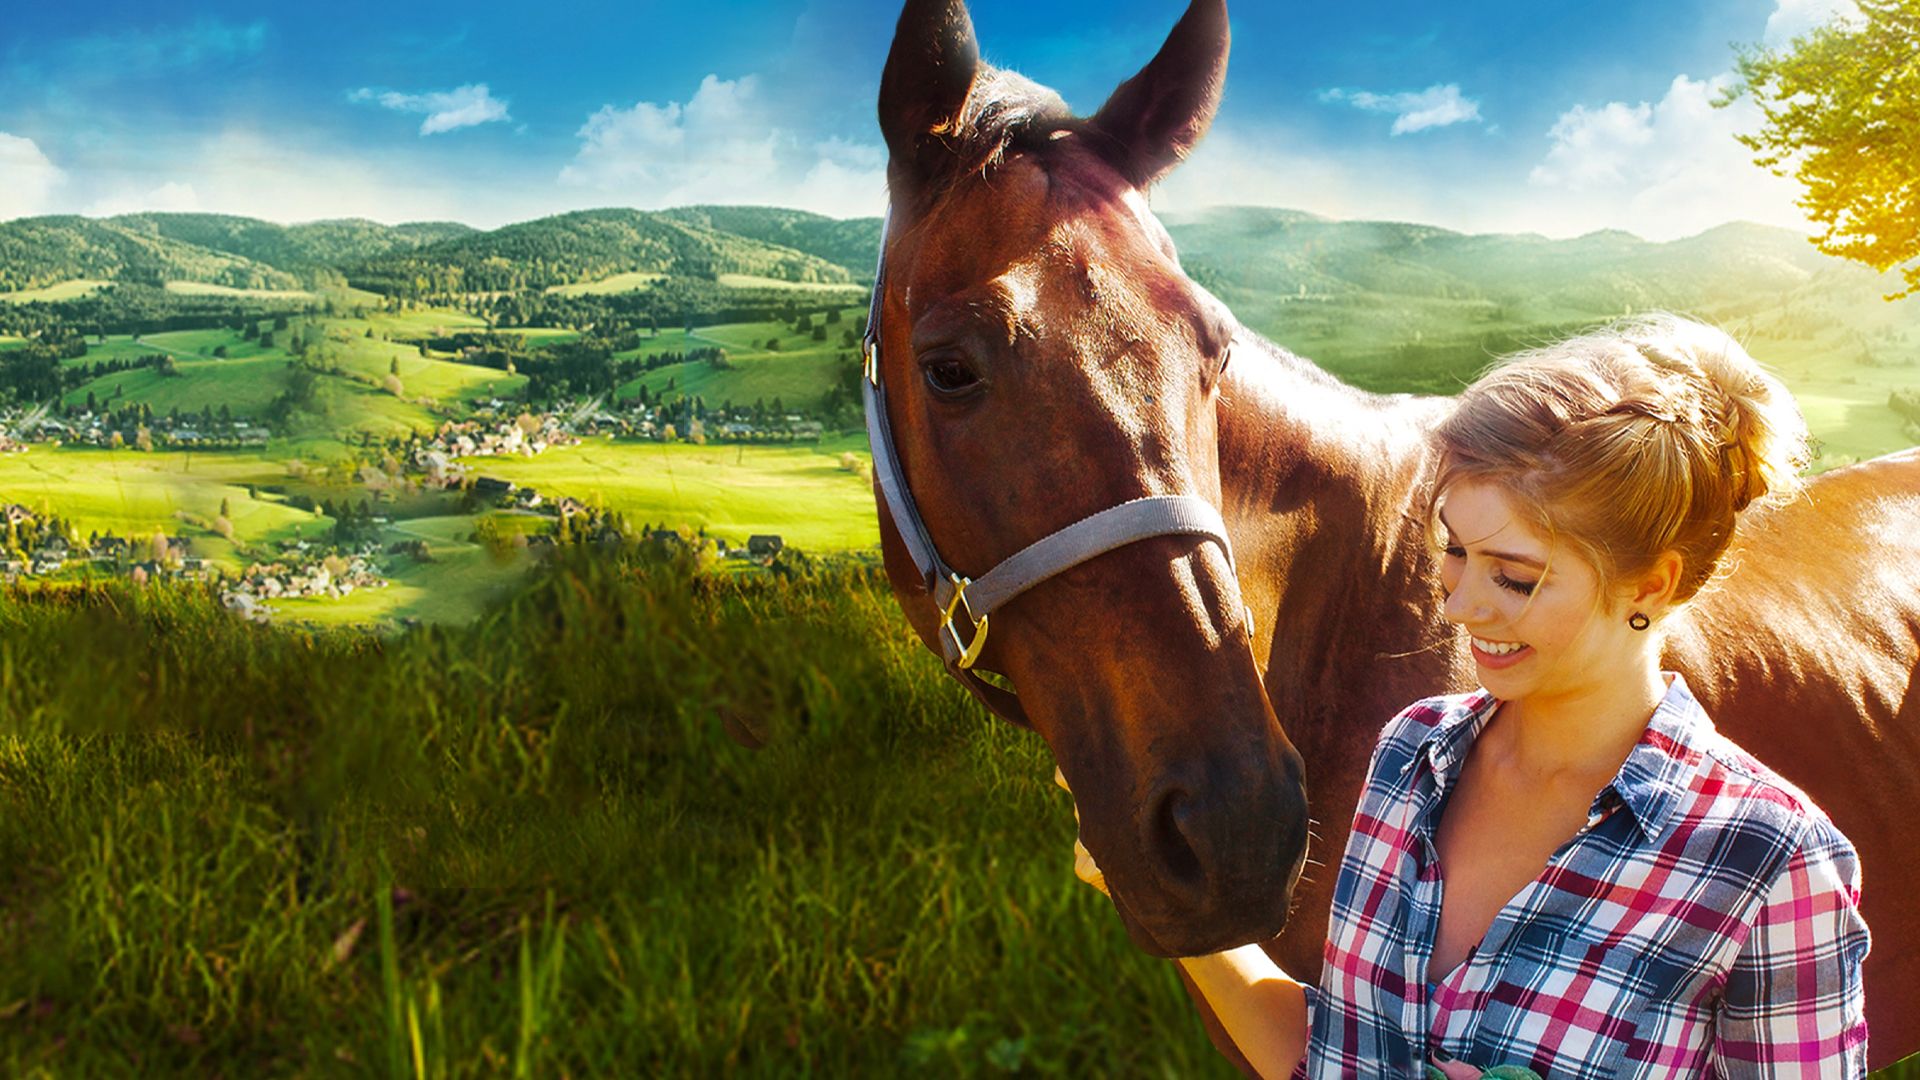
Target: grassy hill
36,252
293,247
851,244
584,246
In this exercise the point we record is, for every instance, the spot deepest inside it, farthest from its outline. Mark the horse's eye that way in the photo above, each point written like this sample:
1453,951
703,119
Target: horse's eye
950,377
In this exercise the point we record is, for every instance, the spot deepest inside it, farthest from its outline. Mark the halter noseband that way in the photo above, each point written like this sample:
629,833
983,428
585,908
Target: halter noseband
955,594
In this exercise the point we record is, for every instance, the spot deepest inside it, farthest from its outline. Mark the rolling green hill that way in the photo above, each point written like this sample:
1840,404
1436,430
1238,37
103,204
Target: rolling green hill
328,244
851,244
42,251
586,245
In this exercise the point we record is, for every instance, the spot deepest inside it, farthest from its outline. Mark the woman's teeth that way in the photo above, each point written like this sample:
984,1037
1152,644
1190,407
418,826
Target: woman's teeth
1497,648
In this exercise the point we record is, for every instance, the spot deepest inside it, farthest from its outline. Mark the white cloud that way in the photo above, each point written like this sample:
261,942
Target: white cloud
27,178
170,196
723,145
1596,146
1661,169
1440,105
1793,18
446,110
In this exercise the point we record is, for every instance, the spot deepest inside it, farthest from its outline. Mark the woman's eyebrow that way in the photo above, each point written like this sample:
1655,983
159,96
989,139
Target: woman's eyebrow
1503,556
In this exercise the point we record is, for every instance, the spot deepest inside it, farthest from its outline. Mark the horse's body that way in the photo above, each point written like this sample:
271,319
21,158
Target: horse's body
1047,358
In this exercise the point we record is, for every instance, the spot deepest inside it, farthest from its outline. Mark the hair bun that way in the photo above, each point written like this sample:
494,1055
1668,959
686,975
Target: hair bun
1746,412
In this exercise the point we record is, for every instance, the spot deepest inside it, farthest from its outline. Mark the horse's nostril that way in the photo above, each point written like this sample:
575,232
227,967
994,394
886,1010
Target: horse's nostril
1176,837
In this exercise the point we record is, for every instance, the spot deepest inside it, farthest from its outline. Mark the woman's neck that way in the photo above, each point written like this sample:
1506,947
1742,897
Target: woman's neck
1581,732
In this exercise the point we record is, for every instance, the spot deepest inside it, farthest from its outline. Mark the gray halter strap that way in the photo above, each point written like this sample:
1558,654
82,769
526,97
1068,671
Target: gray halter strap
956,595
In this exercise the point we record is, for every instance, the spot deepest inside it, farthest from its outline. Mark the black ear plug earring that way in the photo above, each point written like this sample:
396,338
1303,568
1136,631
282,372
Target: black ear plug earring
1639,621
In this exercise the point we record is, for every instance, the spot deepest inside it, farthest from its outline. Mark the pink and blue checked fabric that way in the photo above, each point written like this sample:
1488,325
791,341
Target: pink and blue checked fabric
1705,920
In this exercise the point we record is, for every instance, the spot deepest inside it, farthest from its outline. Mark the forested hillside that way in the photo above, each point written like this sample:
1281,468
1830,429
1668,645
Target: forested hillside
584,246
36,252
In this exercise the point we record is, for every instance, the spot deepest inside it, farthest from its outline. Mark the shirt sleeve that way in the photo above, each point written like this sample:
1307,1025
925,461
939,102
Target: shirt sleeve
1794,1003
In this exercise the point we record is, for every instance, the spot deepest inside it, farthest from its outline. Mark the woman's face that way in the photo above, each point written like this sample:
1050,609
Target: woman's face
1530,609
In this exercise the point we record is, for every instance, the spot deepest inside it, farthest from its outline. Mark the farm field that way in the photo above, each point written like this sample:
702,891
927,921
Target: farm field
245,386
755,281
632,281
201,288
800,493
132,493
799,372
65,290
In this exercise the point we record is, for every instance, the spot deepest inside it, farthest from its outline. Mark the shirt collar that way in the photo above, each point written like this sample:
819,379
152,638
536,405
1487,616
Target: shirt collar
1660,767
1650,783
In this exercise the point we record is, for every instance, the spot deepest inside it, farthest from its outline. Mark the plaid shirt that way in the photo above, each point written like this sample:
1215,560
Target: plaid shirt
1706,917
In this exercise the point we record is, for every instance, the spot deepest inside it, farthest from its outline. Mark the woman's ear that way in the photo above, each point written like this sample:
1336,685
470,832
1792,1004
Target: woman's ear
1656,588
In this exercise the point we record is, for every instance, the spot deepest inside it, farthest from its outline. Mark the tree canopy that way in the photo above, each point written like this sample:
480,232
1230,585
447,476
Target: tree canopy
1842,109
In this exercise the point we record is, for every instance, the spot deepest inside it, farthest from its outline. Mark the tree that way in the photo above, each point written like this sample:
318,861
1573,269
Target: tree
1842,115
393,366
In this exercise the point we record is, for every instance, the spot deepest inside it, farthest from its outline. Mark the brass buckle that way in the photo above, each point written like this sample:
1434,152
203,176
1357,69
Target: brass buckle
870,361
969,650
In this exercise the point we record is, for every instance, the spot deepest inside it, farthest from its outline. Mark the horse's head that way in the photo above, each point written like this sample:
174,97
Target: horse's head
1045,358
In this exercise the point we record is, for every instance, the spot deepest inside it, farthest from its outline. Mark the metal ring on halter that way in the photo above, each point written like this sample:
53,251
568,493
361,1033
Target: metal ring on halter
969,650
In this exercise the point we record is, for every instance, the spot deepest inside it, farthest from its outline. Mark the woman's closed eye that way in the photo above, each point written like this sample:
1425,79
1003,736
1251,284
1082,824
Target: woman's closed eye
1524,588
1500,578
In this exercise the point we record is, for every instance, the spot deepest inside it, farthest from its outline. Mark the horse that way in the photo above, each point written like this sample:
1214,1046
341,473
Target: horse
1039,358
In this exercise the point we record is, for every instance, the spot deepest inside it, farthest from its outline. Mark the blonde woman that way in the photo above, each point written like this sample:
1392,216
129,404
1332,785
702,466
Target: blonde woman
1569,871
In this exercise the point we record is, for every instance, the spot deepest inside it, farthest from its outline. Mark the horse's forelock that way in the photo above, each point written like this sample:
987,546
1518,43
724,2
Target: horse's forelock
1005,113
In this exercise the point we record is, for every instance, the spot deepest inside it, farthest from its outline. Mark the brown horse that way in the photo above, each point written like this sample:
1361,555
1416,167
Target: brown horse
1047,358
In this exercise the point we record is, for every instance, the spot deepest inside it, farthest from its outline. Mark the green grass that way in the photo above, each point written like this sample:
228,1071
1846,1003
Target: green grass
8,341
245,386
632,281
201,288
530,847
461,581
65,290
799,493
134,494
422,322
537,337
754,281
443,380
800,372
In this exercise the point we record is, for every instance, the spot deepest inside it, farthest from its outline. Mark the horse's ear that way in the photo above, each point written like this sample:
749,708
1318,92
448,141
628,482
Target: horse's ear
928,75
1157,117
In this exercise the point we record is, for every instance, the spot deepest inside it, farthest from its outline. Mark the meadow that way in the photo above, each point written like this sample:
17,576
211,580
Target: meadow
800,492
541,845
798,371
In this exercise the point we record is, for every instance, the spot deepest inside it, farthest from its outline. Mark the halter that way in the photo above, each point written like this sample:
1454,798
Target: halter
959,597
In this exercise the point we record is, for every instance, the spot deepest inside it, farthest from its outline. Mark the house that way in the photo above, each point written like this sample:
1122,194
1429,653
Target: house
764,546
488,487
807,428
194,567
46,561
568,506
11,568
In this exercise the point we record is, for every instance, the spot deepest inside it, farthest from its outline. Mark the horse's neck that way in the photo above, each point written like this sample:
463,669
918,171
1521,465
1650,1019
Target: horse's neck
1324,487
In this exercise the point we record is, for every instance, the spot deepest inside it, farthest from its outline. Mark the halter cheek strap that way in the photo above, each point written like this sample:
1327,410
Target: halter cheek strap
967,603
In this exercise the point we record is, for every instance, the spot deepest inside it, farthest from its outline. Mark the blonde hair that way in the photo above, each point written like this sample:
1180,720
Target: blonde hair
1644,437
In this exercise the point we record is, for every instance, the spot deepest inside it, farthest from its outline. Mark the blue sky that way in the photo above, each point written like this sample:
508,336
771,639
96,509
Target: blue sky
1489,116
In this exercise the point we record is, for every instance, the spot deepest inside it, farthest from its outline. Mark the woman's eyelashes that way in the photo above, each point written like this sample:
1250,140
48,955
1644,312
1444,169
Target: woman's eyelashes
1524,588
1500,578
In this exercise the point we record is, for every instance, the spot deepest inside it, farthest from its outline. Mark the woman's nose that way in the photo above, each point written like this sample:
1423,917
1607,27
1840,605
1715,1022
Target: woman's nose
1463,604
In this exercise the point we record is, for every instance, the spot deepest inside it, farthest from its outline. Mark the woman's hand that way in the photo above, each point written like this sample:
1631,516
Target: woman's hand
1084,867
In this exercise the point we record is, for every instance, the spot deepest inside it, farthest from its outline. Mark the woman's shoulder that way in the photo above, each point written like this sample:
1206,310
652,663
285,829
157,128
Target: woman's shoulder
1738,789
